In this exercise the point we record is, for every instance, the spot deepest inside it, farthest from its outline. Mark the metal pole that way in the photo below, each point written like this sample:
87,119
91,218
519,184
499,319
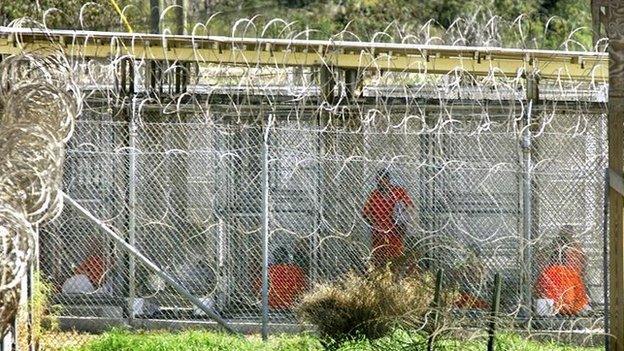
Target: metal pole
149,264
615,32
14,336
8,340
265,231
3,338
132,180
326,85
223,274
437,303
605,259
30,286
526,207
494,313
315,240
23,298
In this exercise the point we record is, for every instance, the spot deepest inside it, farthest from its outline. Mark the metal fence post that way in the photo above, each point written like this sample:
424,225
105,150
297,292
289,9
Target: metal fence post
265,229
30,291
14,346
494,312
132,180
23,296
605,258
437,304
527,196
615,31
326,83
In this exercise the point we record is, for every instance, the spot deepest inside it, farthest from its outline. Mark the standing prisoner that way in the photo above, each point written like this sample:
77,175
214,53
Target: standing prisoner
381,212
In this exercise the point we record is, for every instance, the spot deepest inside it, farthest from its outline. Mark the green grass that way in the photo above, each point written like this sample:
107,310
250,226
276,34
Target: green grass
209,341
515,343
194,341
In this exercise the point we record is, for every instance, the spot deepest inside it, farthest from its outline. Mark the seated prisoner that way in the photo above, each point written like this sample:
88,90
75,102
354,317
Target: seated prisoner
561,280
470,275
88,276
383,211
287,280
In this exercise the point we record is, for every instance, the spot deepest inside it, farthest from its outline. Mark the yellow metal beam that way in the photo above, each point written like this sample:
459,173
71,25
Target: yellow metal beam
121,15
429,59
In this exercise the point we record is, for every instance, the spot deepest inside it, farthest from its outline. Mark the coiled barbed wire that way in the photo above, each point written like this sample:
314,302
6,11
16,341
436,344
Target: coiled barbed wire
39,105
474,149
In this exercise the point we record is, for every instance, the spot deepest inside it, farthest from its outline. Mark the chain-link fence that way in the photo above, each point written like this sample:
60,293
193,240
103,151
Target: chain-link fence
191,184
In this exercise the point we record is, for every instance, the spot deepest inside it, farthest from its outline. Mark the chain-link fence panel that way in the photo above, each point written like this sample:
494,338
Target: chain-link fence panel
188,195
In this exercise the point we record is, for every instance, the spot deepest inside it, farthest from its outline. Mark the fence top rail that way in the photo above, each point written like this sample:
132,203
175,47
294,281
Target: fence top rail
418,58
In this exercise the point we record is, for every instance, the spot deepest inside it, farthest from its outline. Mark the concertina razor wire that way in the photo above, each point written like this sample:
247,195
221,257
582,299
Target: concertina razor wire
179,171
40,103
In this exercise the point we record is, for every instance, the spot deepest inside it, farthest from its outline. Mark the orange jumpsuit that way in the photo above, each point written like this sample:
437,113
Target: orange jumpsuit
94,267
387,237
563,283
286,284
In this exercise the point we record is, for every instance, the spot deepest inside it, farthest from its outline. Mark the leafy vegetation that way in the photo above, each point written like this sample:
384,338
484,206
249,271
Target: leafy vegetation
354,18
65,14
42,318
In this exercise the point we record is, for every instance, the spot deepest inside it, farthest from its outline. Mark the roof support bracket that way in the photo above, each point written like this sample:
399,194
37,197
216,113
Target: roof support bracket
616,181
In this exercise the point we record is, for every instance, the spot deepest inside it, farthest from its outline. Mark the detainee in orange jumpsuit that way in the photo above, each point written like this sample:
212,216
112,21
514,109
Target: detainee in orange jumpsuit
94,267
379,211
287,281
562,279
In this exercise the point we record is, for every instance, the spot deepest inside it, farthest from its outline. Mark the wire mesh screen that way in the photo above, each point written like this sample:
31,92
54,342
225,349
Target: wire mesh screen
186,190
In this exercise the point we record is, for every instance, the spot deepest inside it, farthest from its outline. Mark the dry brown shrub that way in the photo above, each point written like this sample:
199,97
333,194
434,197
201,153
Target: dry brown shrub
370,305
